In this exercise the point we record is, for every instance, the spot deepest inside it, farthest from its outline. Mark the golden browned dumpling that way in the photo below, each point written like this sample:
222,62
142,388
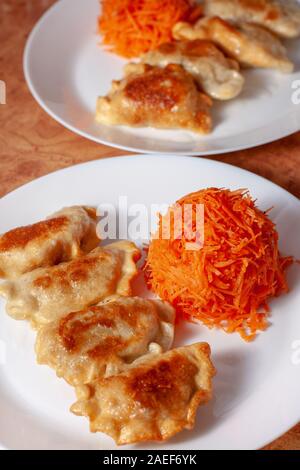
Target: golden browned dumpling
46,294
280,16
155,398
101,340
165,98
217,75
251,45
63,236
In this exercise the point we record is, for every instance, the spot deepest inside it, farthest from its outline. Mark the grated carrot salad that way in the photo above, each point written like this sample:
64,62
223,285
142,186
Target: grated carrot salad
228,282
133,27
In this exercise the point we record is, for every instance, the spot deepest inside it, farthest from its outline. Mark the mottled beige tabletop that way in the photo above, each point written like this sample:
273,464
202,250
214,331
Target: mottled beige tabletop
33,144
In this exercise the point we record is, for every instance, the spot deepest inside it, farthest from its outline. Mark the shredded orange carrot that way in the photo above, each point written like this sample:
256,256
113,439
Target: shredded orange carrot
132,27
228,282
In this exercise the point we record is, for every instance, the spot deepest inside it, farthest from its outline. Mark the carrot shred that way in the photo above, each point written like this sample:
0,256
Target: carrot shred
228,282
132,27
196,12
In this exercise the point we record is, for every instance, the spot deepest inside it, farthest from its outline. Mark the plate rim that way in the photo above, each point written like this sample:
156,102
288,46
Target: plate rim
38,98
151,155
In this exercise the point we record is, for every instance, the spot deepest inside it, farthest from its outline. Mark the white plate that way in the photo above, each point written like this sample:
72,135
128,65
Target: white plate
66,70
257,388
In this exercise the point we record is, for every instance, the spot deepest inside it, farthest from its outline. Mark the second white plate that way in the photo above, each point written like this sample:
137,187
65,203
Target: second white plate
66,70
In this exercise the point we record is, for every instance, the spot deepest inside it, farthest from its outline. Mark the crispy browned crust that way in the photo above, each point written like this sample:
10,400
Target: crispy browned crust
159,88
21,236
72,327
280,17
66,274
63,236
166,98
161,394
46,294
94,342
250,44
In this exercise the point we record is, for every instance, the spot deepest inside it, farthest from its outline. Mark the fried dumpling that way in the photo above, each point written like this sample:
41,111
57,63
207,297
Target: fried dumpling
62,237
102,339
218,76
155,398
280,16
46,294
249,44
166,98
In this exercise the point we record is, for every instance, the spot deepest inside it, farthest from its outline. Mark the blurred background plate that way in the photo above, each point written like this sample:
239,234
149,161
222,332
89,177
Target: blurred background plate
66,70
